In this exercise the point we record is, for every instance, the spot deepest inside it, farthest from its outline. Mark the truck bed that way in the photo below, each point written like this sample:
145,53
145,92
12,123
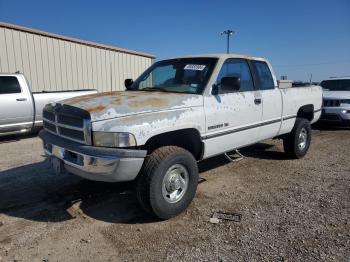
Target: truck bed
294,98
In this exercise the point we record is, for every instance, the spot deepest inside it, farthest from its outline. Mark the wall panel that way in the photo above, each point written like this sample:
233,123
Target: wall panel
10,51
25,56
38,64
57,63
32,62
52,64
45,63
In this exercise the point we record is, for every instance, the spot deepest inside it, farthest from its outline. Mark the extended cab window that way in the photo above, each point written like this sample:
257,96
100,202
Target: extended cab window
235,67
264,75
9,85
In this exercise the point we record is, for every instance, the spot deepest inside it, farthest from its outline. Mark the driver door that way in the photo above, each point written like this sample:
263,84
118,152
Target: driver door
233,115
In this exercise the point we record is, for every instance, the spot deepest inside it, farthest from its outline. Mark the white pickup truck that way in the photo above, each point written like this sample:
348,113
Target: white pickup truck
20,108
178,112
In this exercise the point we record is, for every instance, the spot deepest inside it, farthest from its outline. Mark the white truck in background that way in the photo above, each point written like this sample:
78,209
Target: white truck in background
20,108
336,101
178,112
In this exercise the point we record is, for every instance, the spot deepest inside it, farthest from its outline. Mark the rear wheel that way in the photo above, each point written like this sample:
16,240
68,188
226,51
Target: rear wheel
297,143
168,181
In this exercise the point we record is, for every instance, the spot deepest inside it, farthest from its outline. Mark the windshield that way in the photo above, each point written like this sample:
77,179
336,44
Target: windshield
184,75
336,85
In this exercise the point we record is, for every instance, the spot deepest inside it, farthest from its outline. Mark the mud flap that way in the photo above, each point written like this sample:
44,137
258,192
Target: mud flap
58,166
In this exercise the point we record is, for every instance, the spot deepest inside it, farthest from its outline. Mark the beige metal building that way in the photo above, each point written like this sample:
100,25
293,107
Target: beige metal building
53,62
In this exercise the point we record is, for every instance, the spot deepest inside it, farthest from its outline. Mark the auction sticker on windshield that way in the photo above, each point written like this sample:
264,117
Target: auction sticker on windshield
194,67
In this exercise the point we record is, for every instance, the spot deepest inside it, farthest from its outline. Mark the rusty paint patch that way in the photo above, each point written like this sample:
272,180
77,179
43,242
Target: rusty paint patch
79,99
120,103
96,109
148,118
132,118
152,101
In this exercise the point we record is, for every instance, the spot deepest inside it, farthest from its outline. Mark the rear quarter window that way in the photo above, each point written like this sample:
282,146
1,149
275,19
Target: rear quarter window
9,85
264,75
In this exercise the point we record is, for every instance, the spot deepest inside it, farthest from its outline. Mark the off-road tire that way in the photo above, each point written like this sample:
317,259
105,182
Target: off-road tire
149,182
291,141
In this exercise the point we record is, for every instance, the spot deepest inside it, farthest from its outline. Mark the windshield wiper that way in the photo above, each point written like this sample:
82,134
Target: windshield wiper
153,89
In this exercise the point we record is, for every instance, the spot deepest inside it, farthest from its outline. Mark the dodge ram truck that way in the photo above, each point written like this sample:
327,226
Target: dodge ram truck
177,113
20,108
336,101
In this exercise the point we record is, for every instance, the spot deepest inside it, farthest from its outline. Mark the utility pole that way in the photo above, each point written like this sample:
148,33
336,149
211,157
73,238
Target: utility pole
228,33
310,79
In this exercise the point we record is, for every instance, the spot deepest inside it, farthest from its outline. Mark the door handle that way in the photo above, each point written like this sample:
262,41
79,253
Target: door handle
257,101
21,99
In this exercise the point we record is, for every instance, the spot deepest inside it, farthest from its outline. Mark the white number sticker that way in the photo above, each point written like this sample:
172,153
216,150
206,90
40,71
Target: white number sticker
194,67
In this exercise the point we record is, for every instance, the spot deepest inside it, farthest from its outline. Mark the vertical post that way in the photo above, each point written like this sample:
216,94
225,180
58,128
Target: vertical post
310,79
228,33
228,43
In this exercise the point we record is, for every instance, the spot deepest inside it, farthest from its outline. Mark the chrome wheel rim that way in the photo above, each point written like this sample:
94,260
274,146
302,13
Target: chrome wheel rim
175,183
302,139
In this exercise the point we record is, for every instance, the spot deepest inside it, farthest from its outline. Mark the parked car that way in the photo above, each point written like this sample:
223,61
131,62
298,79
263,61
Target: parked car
336,101
20,108
178,112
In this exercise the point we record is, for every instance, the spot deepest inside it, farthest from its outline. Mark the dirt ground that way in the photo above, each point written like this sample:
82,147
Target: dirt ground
296,210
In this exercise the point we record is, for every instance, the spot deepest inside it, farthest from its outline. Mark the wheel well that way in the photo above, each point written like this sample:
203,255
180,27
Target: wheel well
188,139
306,111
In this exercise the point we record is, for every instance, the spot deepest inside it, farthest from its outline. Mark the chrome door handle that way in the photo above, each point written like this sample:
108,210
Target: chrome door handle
21,99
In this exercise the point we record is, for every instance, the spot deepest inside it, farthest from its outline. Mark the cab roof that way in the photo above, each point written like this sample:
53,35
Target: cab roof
338,78
224,56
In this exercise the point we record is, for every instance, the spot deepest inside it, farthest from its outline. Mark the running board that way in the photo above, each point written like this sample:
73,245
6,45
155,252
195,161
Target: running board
234,157
17,132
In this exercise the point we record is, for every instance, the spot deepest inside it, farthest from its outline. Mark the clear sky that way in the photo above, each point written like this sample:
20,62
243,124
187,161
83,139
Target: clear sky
299,37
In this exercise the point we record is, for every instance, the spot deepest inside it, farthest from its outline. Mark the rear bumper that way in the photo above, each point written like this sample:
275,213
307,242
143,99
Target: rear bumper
94,163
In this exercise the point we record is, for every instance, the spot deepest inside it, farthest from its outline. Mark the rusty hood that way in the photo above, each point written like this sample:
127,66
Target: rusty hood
103,106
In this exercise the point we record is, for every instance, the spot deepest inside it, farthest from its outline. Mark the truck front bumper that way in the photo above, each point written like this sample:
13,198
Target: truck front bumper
336,115
93,163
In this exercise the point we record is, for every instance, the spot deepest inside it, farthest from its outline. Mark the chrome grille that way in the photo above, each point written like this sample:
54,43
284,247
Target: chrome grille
68,122
49,126
67,132
49,115
331,102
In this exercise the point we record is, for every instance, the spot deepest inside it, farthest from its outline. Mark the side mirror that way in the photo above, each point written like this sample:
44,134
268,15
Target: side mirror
128,82
231,82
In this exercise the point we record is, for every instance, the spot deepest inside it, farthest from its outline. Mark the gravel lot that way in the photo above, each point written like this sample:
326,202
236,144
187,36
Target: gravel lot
297,210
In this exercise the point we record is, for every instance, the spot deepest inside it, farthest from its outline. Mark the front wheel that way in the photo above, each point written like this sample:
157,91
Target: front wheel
297,143
168,181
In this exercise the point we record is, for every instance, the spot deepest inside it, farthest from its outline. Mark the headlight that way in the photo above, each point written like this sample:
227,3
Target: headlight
109,139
